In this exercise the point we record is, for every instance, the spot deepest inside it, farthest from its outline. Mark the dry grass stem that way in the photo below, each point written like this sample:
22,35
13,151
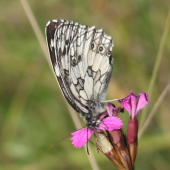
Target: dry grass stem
41,40
160,99
35,27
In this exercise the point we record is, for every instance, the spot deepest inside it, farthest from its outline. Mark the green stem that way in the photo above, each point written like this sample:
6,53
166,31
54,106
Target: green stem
156,66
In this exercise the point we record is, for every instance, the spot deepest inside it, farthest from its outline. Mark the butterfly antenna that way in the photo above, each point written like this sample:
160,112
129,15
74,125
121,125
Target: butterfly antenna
61,140
65,137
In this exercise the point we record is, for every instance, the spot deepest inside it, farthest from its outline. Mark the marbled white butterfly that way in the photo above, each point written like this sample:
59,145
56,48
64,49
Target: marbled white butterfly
82,63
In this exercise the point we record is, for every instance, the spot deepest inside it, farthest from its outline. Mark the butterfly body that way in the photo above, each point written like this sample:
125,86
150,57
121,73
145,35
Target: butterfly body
82,63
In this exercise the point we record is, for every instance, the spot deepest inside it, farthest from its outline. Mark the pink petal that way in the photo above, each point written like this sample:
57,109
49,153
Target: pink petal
110,108
126,103
80,137
129,103
117,111
142,101
133,104
110,123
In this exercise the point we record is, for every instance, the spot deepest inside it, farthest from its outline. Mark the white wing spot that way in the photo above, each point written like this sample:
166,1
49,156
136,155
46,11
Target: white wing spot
52,43
88,86
55,20
73,89
48,23
57,71
83,94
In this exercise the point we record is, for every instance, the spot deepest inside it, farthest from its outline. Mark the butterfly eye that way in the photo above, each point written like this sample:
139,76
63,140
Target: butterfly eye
93,123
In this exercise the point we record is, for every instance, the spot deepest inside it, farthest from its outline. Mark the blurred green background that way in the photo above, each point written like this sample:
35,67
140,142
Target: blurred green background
33,112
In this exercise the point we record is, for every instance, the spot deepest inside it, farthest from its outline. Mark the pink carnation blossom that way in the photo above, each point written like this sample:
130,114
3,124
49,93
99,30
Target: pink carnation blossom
133,104
80,137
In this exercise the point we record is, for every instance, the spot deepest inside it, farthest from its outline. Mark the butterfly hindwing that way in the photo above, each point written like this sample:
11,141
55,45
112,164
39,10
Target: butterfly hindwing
51,28
82,62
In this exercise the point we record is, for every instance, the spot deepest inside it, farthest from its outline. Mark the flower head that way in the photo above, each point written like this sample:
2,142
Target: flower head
80,137
133,104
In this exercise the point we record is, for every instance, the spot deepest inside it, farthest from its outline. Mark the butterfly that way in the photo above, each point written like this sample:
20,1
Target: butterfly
82,63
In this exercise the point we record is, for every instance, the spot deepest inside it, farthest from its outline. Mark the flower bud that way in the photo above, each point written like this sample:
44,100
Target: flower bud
108,150
132,138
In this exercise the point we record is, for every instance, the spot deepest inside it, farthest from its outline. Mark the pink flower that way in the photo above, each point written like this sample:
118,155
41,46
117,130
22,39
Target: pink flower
133,104
80,137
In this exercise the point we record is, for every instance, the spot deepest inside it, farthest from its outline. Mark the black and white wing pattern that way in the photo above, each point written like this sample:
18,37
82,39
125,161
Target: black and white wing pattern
82,62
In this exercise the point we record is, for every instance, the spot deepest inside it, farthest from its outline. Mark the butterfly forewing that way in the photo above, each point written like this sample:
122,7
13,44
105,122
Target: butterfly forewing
82,62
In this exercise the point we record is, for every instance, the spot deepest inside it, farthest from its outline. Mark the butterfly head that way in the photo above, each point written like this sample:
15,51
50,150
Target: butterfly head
91,122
